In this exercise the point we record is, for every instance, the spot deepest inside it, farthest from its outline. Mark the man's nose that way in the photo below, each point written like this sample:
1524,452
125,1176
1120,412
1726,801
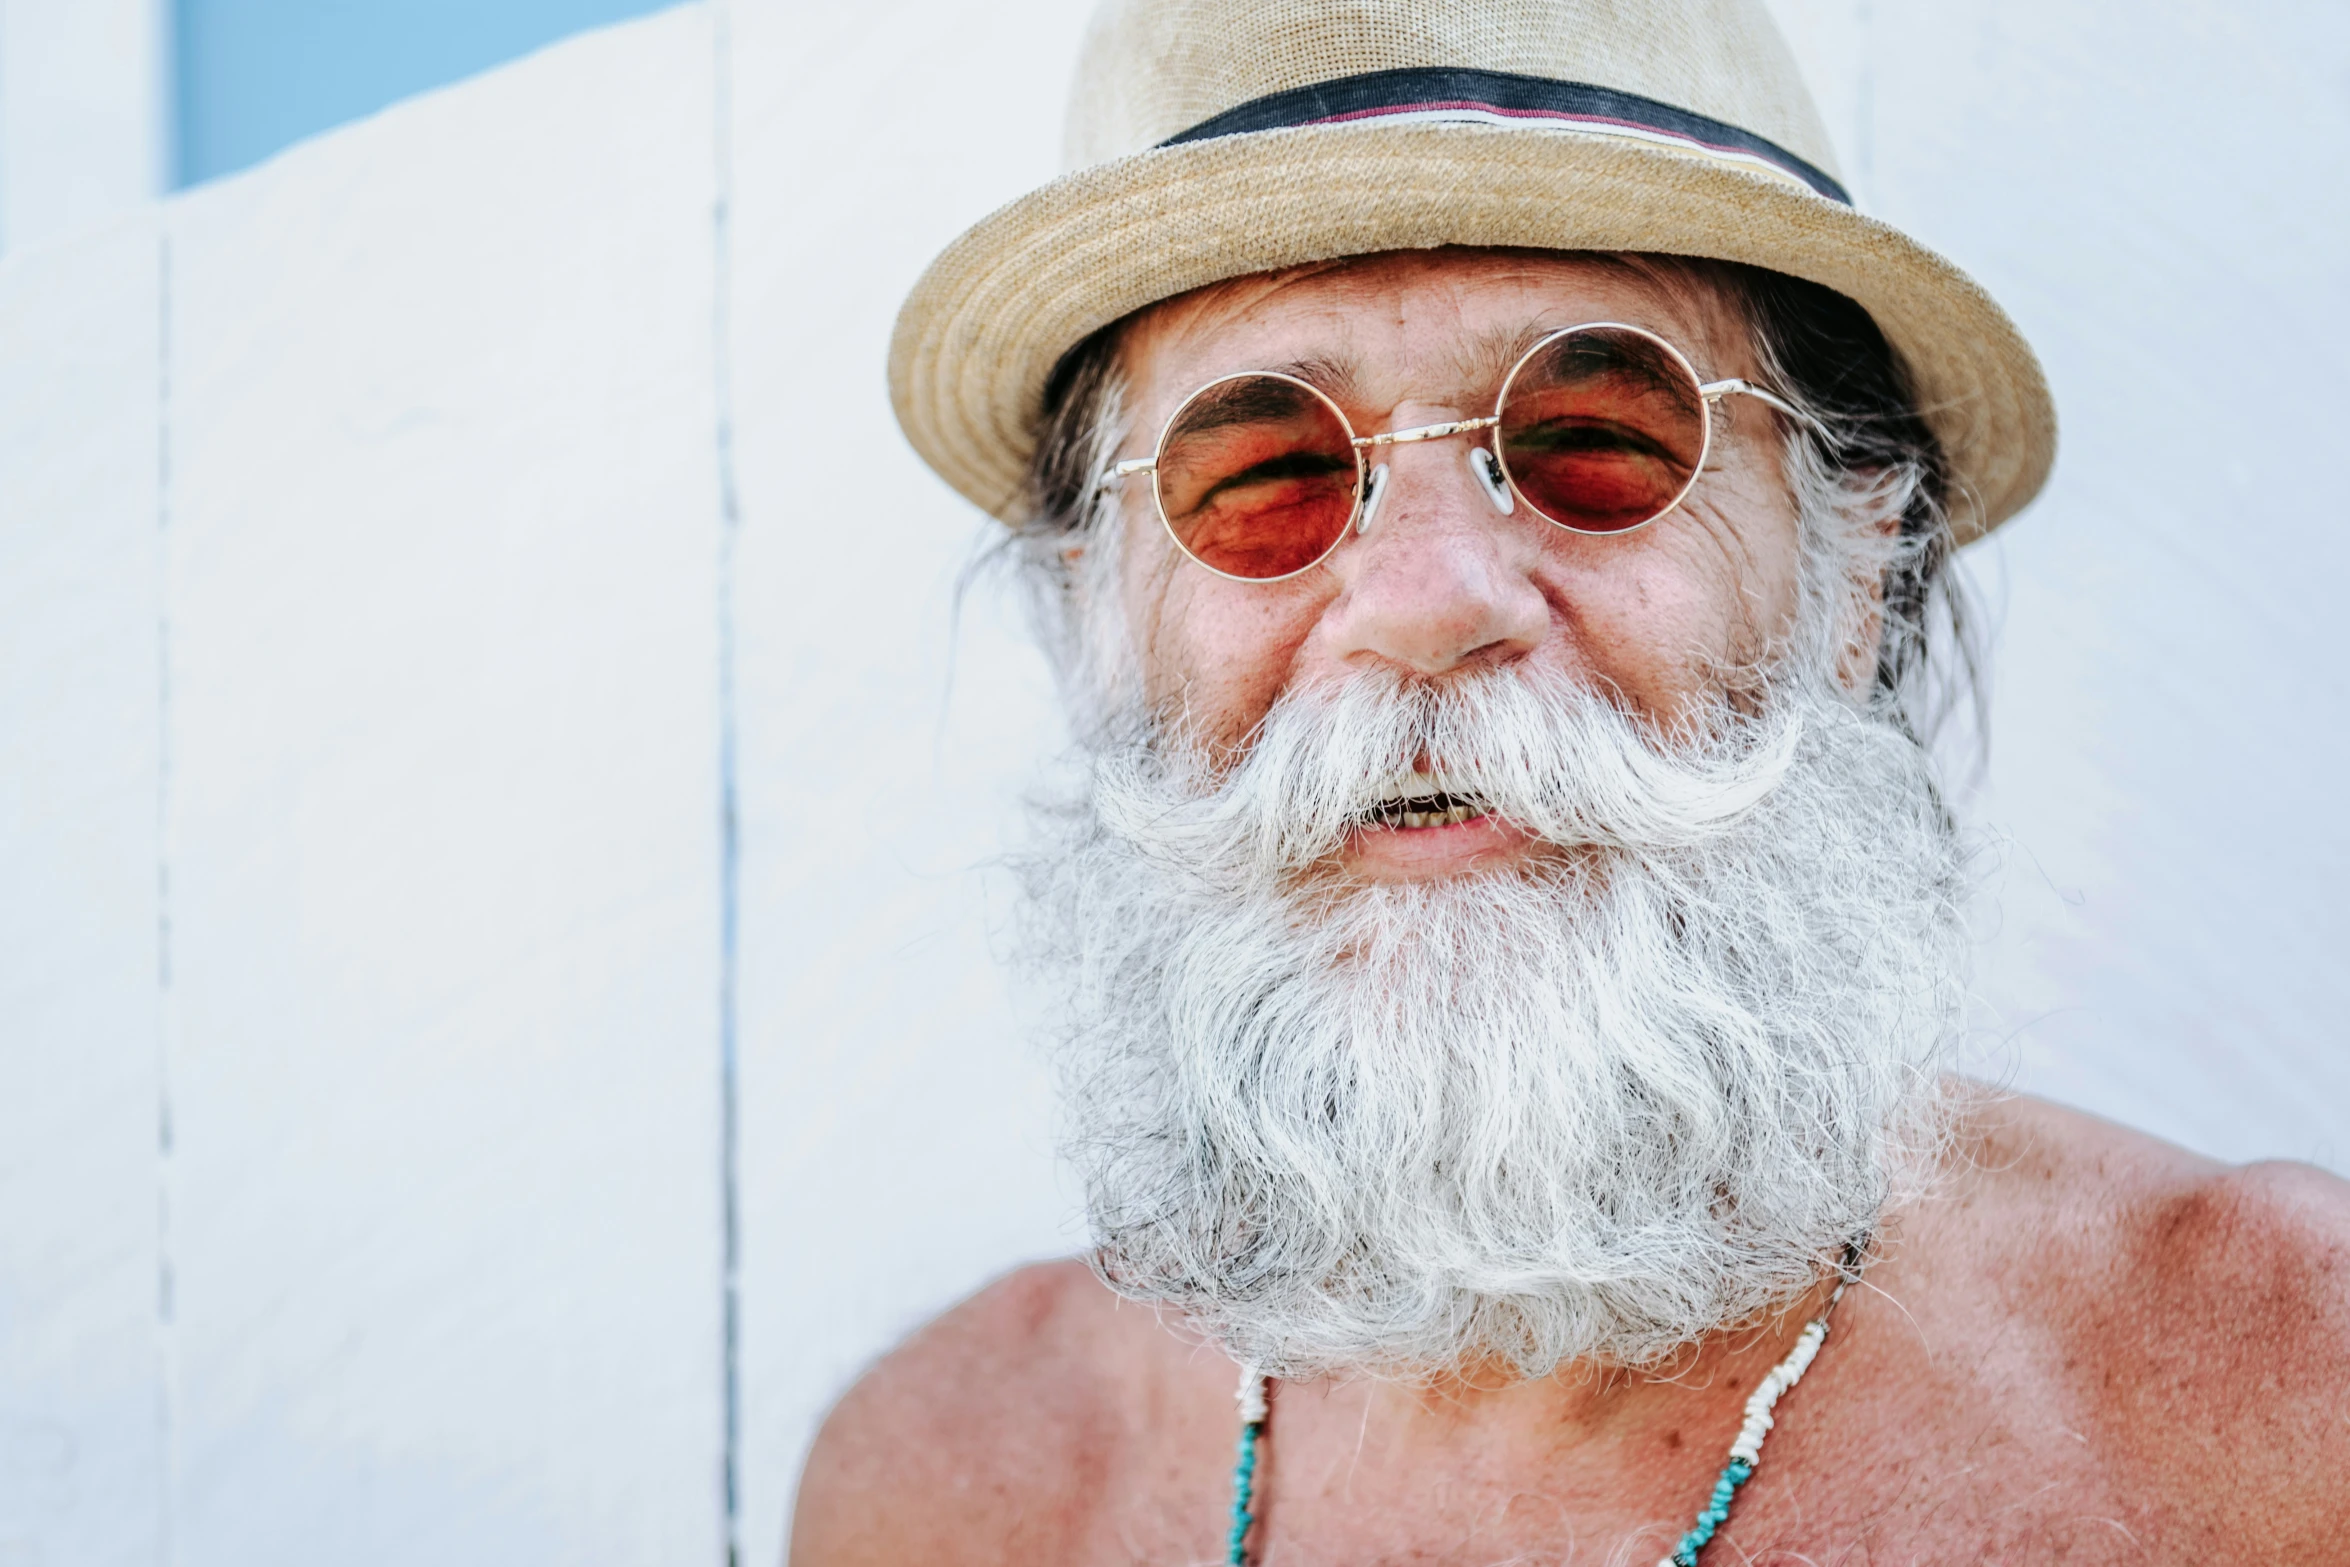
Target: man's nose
1440,579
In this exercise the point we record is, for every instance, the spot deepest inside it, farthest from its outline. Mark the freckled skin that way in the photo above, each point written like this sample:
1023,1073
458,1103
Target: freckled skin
2083,1346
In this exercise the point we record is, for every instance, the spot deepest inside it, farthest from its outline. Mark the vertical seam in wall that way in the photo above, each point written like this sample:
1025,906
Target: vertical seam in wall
166,1283
729,829
1864,152
163,97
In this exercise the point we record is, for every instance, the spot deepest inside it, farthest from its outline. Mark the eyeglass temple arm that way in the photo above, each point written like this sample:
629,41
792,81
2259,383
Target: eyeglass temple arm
1127,470
1715,391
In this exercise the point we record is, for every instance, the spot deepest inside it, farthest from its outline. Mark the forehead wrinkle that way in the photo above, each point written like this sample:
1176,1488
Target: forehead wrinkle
1471,368
1462,367
1473,364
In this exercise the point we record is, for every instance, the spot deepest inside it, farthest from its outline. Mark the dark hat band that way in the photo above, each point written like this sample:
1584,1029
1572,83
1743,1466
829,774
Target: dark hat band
1503,97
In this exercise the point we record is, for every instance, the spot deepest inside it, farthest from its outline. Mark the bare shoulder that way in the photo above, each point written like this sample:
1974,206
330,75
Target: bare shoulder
976,1440
2272,1238
2204,1309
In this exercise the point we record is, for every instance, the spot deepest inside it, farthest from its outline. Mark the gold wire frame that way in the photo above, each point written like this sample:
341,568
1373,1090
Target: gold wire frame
1709,393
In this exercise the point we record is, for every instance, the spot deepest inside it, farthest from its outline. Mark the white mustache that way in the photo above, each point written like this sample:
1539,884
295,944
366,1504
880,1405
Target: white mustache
1554,758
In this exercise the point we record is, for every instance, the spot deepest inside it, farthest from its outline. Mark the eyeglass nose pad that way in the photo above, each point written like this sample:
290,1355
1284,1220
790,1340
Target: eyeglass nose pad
1487,468
1378,492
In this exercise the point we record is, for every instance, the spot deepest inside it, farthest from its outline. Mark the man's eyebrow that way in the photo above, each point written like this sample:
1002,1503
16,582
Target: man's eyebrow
1334,378
1482,359
1487,356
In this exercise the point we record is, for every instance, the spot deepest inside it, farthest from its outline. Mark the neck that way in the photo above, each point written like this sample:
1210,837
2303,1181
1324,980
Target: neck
1580,1403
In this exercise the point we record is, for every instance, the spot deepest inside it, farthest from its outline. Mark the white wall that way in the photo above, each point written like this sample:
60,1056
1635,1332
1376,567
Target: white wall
2155,193
84,112
81,1390
441,831
896,1138
478,708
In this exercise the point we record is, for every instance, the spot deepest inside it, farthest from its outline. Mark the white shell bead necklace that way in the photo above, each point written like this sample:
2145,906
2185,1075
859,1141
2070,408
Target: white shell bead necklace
1745,1452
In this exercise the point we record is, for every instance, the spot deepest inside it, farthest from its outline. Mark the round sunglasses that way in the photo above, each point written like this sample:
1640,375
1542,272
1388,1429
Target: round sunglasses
1600,428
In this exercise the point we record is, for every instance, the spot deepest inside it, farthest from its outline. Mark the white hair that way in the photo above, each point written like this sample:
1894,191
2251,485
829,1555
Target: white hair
1593,1107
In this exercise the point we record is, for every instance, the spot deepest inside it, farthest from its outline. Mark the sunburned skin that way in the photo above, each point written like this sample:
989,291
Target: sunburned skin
2083,1345
2089,1348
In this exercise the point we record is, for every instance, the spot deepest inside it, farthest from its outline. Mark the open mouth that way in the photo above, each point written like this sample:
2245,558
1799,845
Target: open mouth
1427,810
1412,803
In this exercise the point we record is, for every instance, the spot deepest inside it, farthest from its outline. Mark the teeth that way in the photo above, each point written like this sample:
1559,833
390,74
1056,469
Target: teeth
1429,799
1445,815
1424,786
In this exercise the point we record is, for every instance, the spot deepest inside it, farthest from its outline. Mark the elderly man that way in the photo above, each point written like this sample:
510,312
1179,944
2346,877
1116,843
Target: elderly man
1491,497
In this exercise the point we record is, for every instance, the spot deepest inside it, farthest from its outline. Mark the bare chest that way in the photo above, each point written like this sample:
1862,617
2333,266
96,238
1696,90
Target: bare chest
1949,1490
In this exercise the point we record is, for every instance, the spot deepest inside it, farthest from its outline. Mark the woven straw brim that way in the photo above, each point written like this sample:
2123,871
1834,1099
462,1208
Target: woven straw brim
983,329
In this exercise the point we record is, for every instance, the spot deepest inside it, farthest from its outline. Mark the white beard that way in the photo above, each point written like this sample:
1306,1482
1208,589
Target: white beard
1595,1107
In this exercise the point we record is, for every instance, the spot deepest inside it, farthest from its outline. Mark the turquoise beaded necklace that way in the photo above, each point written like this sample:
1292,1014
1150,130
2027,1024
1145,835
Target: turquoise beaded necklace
1745,1452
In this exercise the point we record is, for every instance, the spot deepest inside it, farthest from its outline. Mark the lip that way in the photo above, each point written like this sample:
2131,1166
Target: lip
1379,853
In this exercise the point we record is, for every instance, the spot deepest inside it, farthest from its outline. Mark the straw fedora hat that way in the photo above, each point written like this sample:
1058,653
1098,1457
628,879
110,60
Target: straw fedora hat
1210,139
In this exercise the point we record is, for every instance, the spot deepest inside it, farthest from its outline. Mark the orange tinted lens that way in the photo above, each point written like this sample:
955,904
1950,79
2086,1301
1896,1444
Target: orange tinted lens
1257,476
1602,429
